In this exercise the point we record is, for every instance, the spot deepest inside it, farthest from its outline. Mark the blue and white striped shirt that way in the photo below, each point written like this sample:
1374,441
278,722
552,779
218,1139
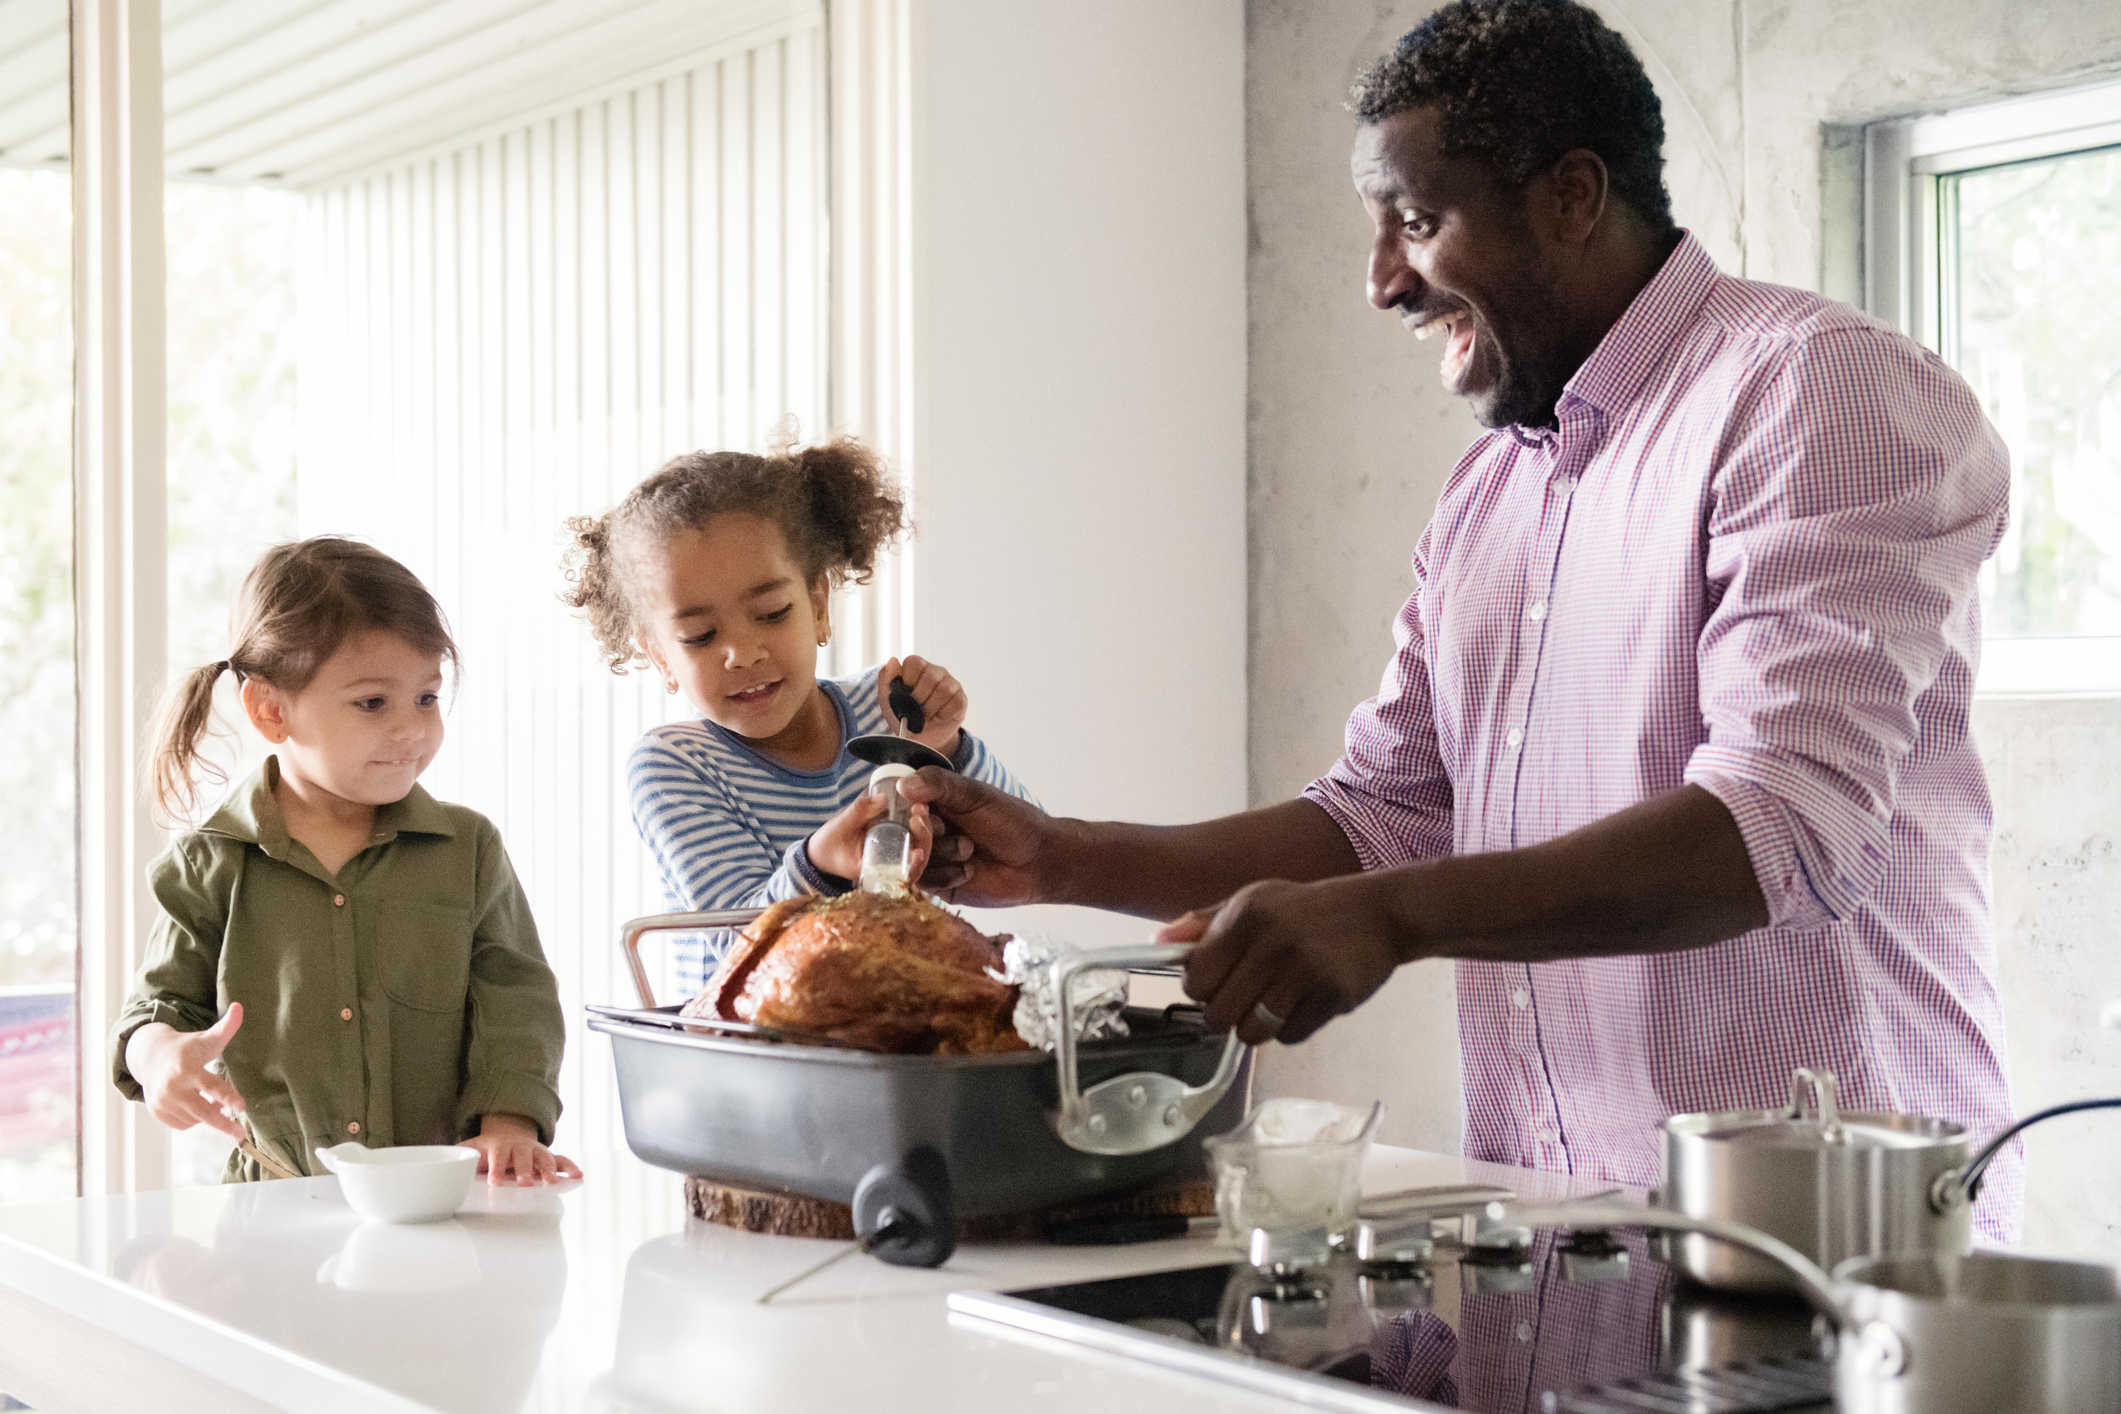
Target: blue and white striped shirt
728,825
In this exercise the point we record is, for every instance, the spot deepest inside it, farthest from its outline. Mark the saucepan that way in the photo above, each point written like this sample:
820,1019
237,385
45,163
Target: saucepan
1932,1333
1833,1184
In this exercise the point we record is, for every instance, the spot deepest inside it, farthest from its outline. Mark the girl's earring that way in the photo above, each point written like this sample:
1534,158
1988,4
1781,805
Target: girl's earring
670,687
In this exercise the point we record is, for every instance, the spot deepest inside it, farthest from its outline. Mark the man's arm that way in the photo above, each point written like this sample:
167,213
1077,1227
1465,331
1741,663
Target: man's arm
1667,874
1001,851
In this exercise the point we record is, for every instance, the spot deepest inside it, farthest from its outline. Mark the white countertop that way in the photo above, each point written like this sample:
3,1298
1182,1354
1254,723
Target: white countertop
598,1297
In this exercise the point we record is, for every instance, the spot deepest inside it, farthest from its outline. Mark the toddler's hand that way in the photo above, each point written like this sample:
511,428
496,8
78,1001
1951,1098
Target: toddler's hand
172,1068
509,1152
942,698
836,845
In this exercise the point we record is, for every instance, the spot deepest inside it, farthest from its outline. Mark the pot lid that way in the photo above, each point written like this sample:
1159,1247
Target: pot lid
1813,1121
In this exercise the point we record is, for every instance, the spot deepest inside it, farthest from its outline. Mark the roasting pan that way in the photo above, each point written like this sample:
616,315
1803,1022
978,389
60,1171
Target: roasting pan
974,1135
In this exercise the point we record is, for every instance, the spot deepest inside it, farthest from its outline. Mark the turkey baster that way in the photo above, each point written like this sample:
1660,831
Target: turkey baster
887,850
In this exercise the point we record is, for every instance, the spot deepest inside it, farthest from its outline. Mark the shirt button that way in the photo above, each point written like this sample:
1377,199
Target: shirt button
1549,1136
1520,999
345,1013
1515,738
1524,1330
338,900
1537,611
353,1126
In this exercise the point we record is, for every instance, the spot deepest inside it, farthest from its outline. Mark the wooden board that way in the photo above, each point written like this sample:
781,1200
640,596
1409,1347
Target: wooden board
792,1215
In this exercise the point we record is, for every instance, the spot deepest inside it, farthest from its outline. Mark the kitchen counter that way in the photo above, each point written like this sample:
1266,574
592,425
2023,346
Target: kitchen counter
601,1296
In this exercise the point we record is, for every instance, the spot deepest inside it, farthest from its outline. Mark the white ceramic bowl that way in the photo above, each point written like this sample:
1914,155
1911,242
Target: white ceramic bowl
419,1183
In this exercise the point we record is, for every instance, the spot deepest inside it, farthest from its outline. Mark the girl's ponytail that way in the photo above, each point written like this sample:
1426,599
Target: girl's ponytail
593,587
854,505
186,711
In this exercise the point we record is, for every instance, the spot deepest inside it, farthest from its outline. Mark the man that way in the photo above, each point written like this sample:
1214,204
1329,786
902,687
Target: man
1673,753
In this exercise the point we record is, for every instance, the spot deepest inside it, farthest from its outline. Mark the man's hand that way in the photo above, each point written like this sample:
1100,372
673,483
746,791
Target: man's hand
509,1152
990,849
1303,952
172,1068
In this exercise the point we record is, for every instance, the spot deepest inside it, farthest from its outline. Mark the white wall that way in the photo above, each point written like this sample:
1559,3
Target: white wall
1079,452
1351,437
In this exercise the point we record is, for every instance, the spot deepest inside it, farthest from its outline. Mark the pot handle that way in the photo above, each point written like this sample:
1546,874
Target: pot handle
1821,1084
1881,1349
1139,1111
1955,1188
632,931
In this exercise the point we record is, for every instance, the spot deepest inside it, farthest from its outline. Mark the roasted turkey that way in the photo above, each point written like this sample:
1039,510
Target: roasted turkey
890,973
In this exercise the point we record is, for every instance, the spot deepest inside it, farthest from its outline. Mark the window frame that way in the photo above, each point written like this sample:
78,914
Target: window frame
1907,248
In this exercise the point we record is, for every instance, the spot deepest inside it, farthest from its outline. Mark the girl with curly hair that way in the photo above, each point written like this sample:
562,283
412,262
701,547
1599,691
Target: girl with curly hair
717,572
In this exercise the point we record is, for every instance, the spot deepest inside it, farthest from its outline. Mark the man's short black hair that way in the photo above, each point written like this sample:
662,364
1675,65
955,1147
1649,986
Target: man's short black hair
1519,82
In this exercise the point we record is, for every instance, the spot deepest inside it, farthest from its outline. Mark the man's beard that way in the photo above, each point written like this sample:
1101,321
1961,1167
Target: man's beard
1523,396
1529,379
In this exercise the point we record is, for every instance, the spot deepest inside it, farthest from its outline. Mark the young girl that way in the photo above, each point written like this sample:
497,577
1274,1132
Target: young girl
717,571
356,955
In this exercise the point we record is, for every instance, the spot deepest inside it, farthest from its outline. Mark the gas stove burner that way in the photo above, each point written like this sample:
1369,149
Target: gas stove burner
1756,1387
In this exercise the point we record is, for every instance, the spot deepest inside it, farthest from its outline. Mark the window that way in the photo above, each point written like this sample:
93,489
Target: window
1994,236
38,1113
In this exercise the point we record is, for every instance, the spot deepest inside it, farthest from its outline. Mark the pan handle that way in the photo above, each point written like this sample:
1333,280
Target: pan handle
632,931
1140,1111
1879,1349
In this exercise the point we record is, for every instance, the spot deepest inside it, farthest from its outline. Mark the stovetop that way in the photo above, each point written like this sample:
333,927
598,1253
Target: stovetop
1567,1323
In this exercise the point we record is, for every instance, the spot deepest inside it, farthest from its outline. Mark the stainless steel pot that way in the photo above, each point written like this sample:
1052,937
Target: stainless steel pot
1832,1185
1937,1333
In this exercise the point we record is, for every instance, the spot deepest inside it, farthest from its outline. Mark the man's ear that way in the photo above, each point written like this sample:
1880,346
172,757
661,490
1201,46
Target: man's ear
266,708
1577,188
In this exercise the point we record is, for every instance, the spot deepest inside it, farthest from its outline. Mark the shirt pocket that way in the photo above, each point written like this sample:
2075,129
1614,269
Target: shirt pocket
424,952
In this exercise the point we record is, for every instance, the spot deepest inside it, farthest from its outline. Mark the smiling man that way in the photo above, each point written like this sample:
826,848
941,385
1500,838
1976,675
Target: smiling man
1673,751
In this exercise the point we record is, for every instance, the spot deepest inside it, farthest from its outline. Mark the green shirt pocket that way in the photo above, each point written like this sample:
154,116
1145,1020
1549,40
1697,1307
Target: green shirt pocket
423,954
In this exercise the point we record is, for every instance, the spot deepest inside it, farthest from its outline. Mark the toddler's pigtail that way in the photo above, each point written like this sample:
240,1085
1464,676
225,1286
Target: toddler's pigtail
186,712
594,588
854,503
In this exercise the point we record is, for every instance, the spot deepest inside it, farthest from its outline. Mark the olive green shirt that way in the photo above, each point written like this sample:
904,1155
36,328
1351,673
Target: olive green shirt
395,1003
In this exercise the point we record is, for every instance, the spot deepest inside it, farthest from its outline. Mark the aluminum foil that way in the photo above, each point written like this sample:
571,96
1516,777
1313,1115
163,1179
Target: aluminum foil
1098,998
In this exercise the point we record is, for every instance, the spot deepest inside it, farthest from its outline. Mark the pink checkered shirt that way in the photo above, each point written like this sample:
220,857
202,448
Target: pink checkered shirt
1745,560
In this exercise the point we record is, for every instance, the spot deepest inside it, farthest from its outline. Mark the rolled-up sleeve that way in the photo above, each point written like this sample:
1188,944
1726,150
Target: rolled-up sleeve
179,981
1857,498
1389,792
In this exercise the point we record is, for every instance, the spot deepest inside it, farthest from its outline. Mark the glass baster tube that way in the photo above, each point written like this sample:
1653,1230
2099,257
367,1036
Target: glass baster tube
887,850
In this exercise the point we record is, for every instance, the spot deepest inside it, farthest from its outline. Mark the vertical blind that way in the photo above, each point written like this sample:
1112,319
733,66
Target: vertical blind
500,336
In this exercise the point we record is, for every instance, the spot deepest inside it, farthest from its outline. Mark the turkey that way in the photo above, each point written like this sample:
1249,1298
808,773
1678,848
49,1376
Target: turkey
898,974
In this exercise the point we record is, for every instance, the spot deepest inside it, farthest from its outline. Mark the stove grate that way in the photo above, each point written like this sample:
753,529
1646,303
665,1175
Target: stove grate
1757,1387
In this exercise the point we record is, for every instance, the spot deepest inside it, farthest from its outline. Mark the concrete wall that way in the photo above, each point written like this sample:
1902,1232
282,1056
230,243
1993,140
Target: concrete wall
1351,437
1078,438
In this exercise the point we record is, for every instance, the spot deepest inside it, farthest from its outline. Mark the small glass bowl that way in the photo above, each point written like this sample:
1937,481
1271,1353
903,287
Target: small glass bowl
1264,1180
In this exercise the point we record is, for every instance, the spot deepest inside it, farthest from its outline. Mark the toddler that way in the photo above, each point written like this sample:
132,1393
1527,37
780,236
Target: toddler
338,955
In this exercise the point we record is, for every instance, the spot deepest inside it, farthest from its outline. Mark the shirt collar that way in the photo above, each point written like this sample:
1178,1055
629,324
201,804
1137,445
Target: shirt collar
1611,376
252,814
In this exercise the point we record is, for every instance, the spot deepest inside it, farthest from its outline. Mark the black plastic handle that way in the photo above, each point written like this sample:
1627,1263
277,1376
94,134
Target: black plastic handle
906,708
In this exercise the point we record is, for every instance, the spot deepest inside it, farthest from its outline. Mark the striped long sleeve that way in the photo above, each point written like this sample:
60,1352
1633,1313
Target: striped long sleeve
728,825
